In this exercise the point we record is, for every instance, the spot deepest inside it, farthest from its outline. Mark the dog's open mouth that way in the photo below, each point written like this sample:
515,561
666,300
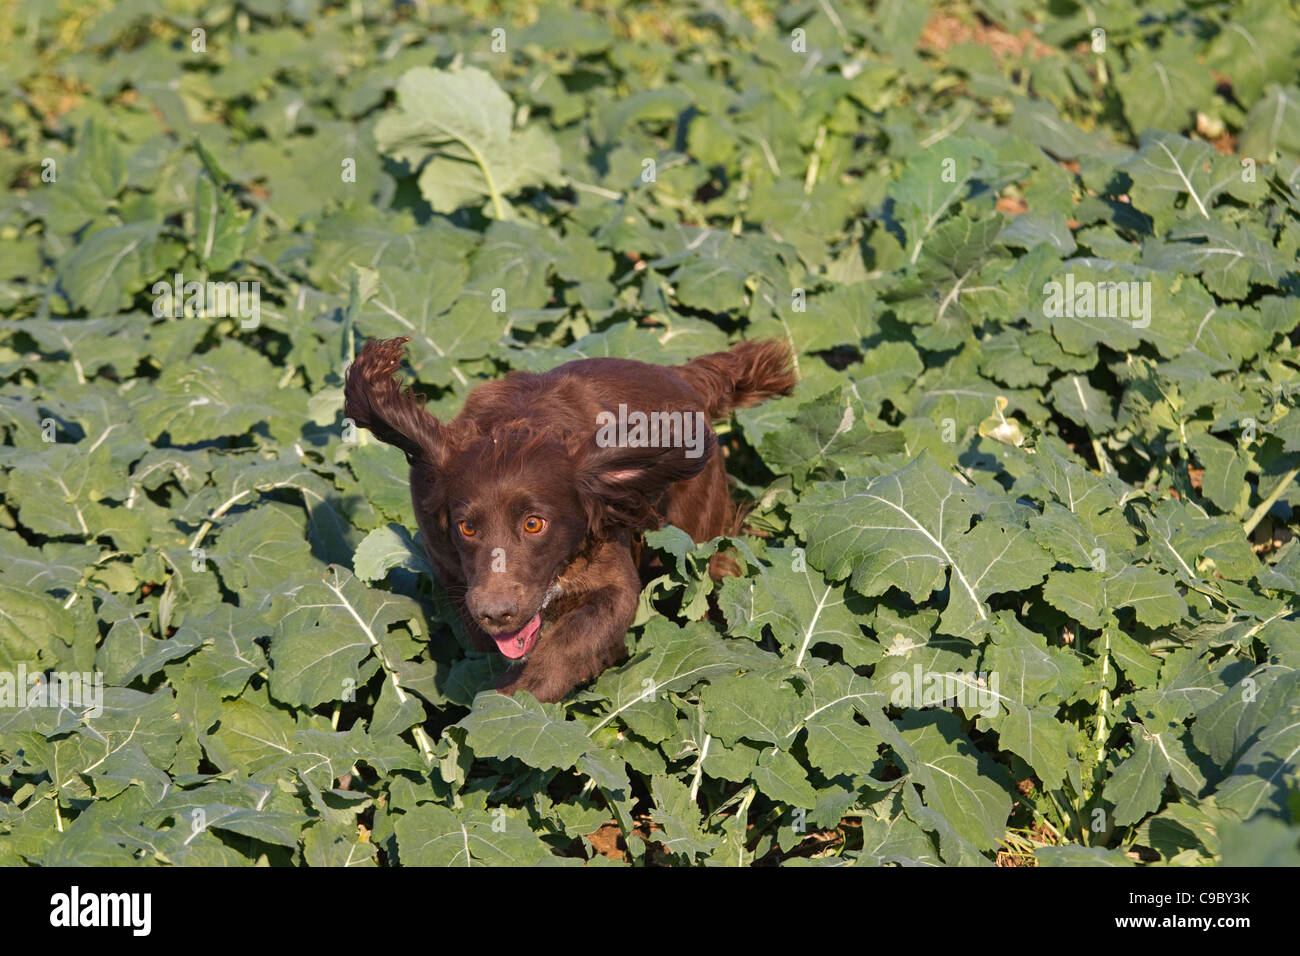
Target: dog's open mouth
516,644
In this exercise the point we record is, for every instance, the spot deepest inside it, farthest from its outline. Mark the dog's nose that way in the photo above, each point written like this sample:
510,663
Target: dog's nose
497,614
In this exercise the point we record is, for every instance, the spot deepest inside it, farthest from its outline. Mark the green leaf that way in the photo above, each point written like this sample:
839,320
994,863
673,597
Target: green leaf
1137,786
1270,127
959,781
1169,169
1071,854
1028,679
1162,88
799,605
1226,726
781,777
676,813
32,627
222,392
389,547
1224,479
667,658
87,184
836,742
229,653
908,530
934,182
753,706
336,844
1074,397
465,118
218,226
430,835
518,726
214,807
822,434
1263,841
1264,776
1229,259
327,626
104,273
1153,596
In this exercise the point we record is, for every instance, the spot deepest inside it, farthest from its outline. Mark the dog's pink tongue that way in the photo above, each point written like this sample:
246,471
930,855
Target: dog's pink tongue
518,643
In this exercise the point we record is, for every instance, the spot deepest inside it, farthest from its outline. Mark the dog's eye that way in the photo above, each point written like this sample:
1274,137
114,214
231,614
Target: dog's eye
534,524
467,529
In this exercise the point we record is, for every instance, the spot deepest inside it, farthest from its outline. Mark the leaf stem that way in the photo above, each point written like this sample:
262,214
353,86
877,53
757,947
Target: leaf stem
1103,460
1103,703
743,814
699,766
814,164
207,525
1258,515
498,209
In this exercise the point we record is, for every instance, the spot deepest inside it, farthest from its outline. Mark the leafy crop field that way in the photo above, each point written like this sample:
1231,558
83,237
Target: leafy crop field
1020,575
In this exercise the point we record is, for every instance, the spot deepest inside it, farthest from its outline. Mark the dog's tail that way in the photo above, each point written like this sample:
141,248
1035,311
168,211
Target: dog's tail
745,375
374,400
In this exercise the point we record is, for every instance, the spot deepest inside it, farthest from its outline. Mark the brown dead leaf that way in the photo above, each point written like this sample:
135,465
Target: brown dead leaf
944,31
1012,205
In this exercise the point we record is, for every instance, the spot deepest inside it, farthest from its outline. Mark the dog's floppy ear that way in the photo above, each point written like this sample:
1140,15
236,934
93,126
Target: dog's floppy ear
374,400
621,486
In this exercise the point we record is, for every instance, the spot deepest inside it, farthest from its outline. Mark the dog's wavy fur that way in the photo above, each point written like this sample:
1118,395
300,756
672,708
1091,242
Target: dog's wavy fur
524,447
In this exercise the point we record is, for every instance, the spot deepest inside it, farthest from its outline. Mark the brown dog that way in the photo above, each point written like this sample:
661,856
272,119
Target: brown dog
529,500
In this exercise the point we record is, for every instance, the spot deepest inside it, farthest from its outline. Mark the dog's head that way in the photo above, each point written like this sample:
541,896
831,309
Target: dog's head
514,503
